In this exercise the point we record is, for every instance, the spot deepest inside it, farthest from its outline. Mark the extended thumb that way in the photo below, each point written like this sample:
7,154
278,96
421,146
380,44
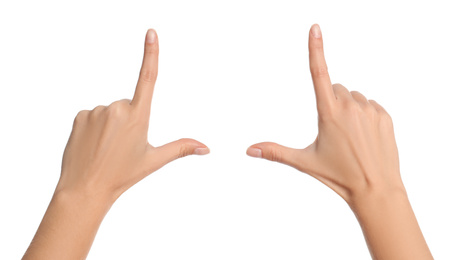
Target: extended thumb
181,148
276,152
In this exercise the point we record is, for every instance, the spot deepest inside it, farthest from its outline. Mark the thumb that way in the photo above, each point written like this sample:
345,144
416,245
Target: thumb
278,153
178,149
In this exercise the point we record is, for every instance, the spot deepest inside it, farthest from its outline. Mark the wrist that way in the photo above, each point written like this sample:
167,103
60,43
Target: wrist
85,191
84,198
69,225
389,224
364,199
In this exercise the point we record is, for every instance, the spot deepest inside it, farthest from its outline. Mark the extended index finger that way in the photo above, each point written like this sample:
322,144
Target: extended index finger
149,72
318,67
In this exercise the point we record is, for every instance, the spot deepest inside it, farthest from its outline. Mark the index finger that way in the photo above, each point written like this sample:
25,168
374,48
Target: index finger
149,71
318,67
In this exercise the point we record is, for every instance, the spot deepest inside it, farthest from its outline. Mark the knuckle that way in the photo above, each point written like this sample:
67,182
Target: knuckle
184,151
353,108
358,94
340,91
126,101
80,117
81,114
339,87
385,120
319,71
370,110
99,108
275,155
149,75
95,114
117,110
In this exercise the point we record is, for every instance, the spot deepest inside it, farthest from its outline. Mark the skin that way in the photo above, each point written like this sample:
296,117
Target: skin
106,154
355,154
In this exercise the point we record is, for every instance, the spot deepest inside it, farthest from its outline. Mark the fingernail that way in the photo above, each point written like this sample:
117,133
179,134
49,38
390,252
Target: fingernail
254,152
316,31
201,151
151,36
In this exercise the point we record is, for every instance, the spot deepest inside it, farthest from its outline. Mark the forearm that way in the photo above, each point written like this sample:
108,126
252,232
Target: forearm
69,227
390,226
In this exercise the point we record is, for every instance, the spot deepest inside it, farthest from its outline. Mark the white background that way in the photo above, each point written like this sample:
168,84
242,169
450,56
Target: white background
231,74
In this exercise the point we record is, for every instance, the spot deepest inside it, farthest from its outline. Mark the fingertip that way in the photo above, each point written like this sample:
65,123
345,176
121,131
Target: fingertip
198,147
316,31
201,151
254,152
151,36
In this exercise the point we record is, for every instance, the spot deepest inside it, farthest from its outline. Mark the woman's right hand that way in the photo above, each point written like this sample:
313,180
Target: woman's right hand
108,150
